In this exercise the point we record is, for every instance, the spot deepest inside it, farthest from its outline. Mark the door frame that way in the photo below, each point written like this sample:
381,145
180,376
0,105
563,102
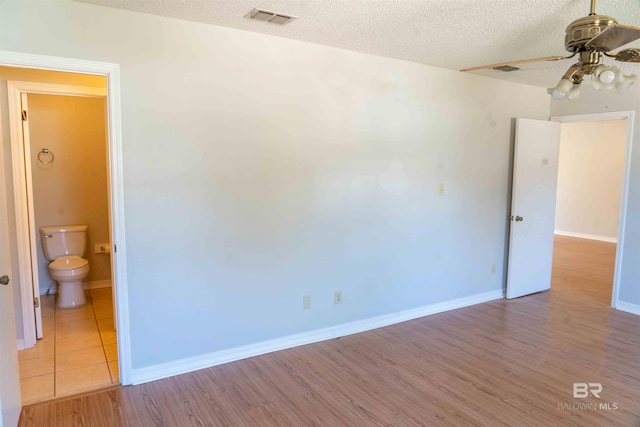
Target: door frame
116,187
26,232
613,115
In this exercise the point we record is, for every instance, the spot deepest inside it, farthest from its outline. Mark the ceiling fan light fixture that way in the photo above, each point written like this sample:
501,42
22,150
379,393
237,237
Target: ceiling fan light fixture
605,77
563,87
624,81
574,93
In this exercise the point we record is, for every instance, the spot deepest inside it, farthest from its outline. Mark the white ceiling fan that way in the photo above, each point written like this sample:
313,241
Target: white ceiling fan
590,38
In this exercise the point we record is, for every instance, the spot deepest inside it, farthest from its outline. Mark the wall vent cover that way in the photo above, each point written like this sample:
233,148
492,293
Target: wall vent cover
268,16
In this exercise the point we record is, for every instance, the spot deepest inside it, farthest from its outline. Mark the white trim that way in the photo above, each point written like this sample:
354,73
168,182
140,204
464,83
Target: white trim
630,117
629,307
97,284
116,182
58,89
585,236
190,364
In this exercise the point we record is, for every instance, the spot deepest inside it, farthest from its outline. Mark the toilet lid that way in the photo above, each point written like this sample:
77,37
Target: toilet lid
68,262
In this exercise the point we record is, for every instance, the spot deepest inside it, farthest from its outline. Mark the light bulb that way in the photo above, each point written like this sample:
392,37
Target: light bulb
558,94
574,93
561,90
607,77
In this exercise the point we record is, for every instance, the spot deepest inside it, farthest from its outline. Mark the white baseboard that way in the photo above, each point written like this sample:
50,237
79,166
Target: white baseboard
20,344
628,307
97,284
586,236
190,364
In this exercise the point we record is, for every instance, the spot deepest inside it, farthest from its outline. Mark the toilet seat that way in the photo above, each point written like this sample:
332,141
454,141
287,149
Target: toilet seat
69,267
68,263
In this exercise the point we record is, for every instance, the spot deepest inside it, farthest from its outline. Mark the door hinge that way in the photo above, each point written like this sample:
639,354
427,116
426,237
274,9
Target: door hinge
115,248
24,115
36,302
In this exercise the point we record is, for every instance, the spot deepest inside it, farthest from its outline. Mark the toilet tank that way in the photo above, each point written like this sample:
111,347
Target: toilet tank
63,240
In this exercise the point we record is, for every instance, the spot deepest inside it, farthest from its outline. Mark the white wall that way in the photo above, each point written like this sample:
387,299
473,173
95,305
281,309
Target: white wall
259,169
591,101
590,171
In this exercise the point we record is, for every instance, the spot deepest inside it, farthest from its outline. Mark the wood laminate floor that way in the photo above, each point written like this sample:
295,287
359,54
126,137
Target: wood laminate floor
583,268
494,364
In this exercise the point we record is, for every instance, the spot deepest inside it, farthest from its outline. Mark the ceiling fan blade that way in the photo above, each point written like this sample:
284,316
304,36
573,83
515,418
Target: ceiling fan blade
614,36
522,61
628,55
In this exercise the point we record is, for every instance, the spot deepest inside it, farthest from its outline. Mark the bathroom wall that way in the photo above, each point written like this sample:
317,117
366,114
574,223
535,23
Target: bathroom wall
26,74
73,188
590,173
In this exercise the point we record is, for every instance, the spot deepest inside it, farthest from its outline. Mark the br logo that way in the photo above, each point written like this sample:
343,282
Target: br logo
582,390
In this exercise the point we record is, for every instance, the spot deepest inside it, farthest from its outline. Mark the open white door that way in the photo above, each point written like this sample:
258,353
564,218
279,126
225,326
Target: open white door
10,402
533,205
35,284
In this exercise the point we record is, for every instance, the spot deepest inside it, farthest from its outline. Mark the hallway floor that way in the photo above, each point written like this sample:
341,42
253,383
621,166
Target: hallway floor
77,353
583,268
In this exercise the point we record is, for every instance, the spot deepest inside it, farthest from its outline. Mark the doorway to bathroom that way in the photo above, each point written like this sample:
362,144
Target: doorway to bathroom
63,153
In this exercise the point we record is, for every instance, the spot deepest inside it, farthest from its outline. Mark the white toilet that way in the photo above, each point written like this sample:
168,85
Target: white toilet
65,245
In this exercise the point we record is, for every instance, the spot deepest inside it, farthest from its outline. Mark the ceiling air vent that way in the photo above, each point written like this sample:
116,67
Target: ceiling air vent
506,68
272,17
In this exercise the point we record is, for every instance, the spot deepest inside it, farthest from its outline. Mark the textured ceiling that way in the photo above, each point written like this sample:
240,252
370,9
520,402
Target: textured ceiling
450,34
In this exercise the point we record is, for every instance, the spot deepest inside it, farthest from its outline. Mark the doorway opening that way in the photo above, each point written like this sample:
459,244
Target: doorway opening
65,153
95,336
593,170
533,202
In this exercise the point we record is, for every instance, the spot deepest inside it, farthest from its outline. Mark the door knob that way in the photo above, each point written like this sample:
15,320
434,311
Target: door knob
4,280
519,218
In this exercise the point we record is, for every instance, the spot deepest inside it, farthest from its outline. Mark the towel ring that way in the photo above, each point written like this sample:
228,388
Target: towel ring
43,154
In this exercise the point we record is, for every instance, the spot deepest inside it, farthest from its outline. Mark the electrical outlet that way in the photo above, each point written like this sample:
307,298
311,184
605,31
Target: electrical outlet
441,189
493,269
306,302
337,297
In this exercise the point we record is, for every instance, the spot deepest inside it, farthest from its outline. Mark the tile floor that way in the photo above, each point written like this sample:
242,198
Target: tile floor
77,353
